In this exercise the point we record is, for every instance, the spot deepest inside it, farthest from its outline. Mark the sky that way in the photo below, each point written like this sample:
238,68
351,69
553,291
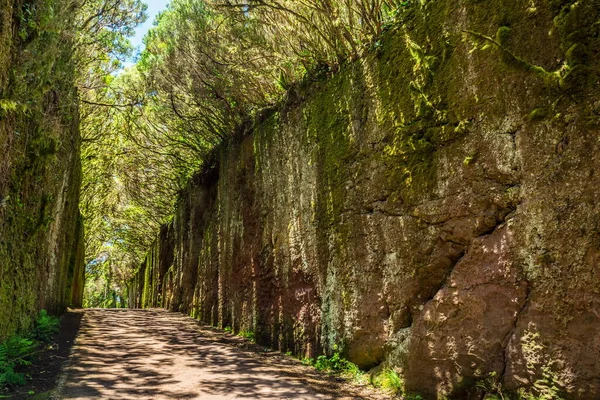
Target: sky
154,7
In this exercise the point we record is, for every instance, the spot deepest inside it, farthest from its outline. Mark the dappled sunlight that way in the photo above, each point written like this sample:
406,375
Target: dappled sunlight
131,354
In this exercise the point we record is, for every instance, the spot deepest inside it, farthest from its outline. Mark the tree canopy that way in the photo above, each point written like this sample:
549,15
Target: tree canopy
207,68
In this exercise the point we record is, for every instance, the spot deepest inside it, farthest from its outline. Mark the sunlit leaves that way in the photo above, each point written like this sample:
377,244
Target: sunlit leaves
207,68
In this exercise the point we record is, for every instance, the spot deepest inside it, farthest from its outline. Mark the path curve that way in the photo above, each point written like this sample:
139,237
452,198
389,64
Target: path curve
155,354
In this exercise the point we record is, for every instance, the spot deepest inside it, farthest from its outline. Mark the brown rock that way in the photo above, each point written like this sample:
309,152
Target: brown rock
461,334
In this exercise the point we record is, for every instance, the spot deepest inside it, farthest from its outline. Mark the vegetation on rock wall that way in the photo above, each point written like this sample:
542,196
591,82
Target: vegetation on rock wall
39,173
53,53
151,128
420,205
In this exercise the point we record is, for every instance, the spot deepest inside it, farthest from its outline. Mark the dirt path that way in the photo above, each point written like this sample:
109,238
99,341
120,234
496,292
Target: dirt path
154,354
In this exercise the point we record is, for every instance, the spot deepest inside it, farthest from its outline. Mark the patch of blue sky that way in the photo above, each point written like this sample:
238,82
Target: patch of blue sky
154,8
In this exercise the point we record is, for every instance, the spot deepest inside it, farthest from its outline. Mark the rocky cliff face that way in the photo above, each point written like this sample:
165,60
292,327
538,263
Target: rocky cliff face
41,234
433,207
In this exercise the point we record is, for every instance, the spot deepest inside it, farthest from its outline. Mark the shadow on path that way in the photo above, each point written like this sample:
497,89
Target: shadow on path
155,354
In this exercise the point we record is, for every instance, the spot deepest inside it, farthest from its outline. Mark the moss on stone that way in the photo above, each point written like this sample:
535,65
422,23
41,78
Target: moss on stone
538,114
427,97
327,121
39,171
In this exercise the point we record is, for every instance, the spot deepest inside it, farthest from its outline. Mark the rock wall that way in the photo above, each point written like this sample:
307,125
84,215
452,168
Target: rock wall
41,232
433,207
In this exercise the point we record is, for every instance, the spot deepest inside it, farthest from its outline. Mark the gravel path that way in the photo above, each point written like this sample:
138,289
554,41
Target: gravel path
155,354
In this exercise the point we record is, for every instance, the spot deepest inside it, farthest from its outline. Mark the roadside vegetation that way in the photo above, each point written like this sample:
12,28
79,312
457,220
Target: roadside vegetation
20,351
386,379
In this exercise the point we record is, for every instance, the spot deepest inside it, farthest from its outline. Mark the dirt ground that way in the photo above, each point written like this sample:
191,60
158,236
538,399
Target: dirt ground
155,354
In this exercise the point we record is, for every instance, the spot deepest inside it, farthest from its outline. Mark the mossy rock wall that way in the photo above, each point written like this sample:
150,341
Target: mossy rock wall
432,208
41,234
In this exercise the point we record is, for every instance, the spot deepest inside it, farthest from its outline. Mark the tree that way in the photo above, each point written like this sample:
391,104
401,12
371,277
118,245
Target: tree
208,67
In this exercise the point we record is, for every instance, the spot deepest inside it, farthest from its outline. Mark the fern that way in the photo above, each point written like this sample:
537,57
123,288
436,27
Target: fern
3,363
14,353
46,326
17,348
8,377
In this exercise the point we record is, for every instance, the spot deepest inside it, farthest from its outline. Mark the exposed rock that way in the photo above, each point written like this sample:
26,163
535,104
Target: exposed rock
414,210
41,233
463,331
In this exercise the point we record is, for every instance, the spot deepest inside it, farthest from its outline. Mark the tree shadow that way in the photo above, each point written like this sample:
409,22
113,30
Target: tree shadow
155,354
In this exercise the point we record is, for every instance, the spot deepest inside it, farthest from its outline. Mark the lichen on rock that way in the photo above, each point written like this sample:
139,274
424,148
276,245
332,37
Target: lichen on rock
431,207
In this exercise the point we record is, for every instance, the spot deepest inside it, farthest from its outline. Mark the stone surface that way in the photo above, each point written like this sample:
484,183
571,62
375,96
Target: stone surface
41,233
433,207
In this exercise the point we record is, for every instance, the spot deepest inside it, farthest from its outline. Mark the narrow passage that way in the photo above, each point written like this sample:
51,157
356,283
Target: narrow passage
155,354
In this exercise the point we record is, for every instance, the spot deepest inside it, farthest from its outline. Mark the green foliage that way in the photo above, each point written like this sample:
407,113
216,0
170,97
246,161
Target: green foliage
307,361
247,335
102,28
335,363
102,31
17,351
14,352
8,106
209,66
545,388
46,326
389,380
101,290
317,32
